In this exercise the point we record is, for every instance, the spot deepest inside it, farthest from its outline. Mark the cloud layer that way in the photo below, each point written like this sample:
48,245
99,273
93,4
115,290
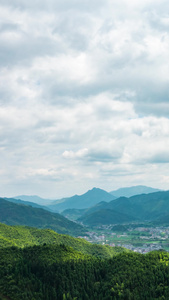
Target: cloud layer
84,97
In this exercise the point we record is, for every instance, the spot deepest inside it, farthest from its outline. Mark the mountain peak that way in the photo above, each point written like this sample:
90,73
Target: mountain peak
89,199
95,189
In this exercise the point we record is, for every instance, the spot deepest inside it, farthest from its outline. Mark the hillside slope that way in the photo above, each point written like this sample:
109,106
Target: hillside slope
58,272
27,236
105,217
28,203
145,207
19,214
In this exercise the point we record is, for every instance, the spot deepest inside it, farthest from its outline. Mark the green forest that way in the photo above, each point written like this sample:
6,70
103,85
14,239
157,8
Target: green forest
20,214
41,264
23,236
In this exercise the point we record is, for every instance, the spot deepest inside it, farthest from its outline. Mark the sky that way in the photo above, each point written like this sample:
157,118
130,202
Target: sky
84,96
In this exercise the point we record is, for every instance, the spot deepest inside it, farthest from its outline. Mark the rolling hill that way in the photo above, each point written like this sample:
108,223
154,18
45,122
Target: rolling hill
145,207
21,236
60,272
19,214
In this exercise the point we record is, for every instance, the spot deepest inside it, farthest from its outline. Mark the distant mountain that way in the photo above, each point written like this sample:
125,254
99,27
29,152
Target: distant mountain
34,199
105,217
89,199
18,201
19,214
145,207
134,190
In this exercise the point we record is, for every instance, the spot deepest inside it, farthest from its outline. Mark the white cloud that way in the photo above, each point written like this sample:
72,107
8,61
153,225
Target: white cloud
83,95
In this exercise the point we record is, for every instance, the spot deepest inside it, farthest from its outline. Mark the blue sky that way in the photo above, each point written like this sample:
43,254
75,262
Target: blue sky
84,95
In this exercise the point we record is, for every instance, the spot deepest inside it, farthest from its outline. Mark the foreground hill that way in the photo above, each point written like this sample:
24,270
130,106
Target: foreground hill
86,200
145,207
19,214
58,272
27,236
133,190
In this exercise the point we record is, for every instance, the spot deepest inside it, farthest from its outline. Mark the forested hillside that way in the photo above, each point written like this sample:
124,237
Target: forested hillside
106,216
145,207
57,272
19,214
18,201
59,267
27,236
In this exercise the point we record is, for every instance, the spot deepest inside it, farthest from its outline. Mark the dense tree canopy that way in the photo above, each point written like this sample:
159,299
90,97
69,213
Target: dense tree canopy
64,268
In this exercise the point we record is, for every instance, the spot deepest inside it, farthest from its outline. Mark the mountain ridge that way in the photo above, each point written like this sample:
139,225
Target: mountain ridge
24,202
133,190
83,201
20,214
145,207
34,198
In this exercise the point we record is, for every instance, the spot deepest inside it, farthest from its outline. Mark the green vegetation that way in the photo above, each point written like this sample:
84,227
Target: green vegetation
40,264
136,237
18,201
19,214
162,220
26,236
58,272
105,216
141,208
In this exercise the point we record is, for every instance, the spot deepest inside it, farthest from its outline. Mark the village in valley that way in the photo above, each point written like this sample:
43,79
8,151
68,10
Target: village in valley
133,237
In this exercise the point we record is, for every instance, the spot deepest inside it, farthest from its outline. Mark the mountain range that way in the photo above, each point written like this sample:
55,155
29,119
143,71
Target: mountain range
93,208
86,200
42,264
89,199
145,207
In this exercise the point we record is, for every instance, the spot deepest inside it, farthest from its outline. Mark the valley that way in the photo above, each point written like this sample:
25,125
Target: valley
87,247
138,222
138,238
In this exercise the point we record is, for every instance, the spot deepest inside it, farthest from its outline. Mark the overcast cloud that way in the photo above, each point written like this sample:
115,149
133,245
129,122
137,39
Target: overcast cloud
84,95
